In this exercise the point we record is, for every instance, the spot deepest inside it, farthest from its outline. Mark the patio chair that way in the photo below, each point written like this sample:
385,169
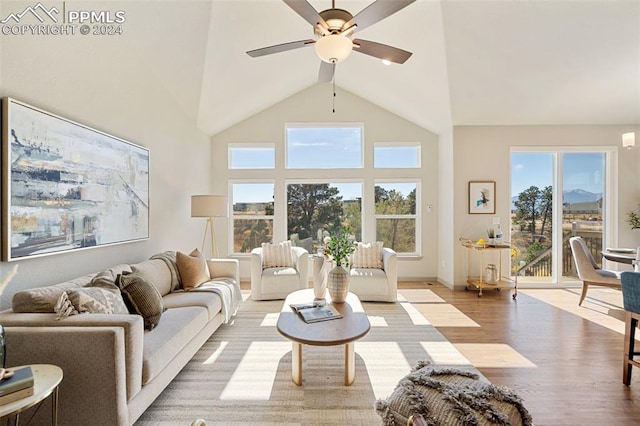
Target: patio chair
588,270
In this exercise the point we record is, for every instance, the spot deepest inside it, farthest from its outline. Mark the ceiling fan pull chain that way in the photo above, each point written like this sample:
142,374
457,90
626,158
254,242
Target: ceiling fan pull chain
334,93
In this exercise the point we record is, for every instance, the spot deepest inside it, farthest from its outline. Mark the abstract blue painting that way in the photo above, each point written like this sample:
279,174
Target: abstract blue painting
66,186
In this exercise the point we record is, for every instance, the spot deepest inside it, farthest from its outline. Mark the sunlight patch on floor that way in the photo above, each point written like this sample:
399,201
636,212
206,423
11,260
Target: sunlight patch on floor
416,317
270,319
253,378
377,321
444,353
419,295
445,315
386,365
214,356
493,355
602,306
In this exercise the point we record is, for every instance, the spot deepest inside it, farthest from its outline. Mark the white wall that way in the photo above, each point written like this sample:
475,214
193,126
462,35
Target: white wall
446,244
142,86
482,153
315,105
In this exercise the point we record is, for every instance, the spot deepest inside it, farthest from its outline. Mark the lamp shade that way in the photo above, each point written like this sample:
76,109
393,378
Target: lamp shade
334,48
628,140
208,206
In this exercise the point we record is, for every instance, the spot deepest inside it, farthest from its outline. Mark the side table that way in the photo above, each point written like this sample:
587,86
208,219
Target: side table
46,379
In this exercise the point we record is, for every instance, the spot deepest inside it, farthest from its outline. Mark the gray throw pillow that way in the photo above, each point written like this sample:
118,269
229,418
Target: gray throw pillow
93,300
141,297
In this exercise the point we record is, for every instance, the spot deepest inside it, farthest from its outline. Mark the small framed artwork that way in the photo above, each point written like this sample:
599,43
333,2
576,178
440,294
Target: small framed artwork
482,197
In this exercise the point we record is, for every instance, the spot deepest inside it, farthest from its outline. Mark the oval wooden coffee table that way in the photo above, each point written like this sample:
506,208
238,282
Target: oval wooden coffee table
353,325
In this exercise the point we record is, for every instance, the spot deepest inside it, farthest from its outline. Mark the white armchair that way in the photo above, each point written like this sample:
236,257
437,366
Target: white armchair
269,283
376,284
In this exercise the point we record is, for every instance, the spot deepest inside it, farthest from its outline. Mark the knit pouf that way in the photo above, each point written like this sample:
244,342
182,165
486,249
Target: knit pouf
448,396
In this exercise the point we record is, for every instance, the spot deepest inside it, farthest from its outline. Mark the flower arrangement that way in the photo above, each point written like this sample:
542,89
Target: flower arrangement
338,247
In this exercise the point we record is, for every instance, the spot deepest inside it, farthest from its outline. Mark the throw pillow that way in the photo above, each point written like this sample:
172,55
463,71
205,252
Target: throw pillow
277,255
93,300
449,396
41,299
193,269
141,297
367,255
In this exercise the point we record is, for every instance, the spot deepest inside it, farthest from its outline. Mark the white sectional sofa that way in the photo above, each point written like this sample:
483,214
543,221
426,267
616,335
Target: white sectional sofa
114,368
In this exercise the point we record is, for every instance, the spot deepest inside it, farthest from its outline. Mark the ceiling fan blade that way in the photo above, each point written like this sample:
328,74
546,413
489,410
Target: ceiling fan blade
280,48
326,72
375,12
308,12
381,51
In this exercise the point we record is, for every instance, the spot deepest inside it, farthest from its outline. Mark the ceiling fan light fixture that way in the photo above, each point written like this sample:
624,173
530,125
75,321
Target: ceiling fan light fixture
333,48
386,62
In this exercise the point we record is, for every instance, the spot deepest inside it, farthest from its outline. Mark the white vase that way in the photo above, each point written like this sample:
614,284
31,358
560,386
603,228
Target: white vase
338,284
319,277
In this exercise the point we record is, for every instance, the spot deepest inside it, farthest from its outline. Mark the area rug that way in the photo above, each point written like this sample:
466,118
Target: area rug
242,375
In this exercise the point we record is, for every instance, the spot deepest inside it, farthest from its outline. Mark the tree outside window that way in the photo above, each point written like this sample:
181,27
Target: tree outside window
395,210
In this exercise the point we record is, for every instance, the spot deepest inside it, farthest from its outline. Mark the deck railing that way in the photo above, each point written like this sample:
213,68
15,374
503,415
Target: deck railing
540,266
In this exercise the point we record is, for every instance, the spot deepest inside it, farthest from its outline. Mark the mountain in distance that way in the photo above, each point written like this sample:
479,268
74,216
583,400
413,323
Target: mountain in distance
571,197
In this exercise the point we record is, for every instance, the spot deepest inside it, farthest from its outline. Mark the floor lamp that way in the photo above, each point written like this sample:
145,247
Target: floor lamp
209,206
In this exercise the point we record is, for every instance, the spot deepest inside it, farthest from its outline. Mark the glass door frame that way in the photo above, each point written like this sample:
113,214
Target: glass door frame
609,208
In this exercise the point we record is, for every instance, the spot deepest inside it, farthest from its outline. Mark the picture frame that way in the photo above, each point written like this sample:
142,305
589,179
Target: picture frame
482,197
67,186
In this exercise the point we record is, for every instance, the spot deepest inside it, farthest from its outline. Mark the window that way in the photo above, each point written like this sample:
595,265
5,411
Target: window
395,213
315,210
330,147
261,156
252,215
557,194
398,156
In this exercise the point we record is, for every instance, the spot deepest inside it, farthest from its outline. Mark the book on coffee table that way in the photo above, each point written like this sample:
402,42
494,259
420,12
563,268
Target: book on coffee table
319,313
14,396
297,307
20,379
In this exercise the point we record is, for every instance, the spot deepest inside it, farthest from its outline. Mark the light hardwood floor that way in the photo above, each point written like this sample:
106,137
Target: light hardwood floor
564,360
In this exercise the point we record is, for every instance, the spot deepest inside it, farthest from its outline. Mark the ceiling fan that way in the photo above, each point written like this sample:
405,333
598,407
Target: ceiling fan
334,29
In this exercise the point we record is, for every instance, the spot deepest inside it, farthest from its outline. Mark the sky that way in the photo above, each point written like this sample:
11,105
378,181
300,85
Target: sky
581,170
316,148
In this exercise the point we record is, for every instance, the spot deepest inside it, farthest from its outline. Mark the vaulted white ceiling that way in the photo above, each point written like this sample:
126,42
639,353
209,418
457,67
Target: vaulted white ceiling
474,62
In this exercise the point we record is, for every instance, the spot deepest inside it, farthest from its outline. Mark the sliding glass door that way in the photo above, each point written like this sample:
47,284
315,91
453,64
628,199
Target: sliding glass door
556,195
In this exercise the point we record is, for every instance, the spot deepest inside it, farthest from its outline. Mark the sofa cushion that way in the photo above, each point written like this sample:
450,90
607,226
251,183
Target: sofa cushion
448,396
193,269
141,298
93,300
44,299
277,255
155,272
178,328
107,278
205,299
367,255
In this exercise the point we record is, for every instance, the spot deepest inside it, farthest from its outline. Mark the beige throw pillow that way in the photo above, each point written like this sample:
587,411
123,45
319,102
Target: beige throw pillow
193,269
368,255
277,255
